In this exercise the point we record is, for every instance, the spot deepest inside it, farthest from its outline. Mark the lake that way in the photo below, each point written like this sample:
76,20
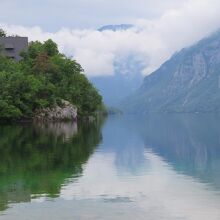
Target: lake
152,167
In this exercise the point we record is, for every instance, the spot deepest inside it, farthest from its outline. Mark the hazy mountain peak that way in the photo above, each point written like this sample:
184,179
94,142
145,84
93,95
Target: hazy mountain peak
126,79
119,27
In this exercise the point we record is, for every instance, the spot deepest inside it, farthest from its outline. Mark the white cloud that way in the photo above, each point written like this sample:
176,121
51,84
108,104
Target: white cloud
155,40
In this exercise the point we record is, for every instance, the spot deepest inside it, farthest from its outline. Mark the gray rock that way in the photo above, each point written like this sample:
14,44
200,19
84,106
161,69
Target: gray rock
65,112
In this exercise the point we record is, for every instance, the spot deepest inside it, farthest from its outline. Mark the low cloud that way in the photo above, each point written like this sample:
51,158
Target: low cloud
153,40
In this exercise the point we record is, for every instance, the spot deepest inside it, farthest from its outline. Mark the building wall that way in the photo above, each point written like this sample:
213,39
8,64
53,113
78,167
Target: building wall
13,46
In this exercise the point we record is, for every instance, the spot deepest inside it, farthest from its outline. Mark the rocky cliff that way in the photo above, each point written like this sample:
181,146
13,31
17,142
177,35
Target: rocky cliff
188,82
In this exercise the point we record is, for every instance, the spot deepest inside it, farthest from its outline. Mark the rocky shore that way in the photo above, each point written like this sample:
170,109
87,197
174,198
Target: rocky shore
63,112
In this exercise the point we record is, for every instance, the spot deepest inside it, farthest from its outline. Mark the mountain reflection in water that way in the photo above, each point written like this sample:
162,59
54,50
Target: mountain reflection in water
130,167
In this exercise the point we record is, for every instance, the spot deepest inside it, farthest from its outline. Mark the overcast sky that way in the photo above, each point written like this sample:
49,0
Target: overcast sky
161,27
54,14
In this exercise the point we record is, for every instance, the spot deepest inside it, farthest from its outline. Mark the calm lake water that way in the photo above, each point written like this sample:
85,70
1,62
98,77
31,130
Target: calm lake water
155,167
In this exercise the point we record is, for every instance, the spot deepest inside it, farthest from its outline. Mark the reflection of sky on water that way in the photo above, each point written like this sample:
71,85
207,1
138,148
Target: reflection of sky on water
156,167
124,142
101,193
159,192
190,143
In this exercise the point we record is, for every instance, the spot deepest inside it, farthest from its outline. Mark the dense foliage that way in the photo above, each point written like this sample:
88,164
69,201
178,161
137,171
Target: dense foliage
2,33
42,79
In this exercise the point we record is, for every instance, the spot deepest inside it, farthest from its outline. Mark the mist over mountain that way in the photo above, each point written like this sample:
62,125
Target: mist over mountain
188,82
126,78
119,27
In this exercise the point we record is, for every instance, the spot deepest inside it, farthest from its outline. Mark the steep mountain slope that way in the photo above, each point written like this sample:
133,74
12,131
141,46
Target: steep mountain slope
188,82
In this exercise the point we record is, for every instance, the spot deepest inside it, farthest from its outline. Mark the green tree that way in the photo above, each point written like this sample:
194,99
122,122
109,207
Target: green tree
51,48
2,33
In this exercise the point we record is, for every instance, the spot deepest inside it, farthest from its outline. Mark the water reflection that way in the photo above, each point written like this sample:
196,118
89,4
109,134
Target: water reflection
37,159
191,143
65,130
188,142
157,164
121,138
153,167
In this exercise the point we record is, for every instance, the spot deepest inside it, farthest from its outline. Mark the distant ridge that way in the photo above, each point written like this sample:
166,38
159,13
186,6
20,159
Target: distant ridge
126,79
115,27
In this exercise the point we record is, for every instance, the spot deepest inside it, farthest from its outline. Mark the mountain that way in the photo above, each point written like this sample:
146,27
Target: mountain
119,27
126,78
188,82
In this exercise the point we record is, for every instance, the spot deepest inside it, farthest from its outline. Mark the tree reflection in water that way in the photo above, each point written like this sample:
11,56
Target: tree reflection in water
38,159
